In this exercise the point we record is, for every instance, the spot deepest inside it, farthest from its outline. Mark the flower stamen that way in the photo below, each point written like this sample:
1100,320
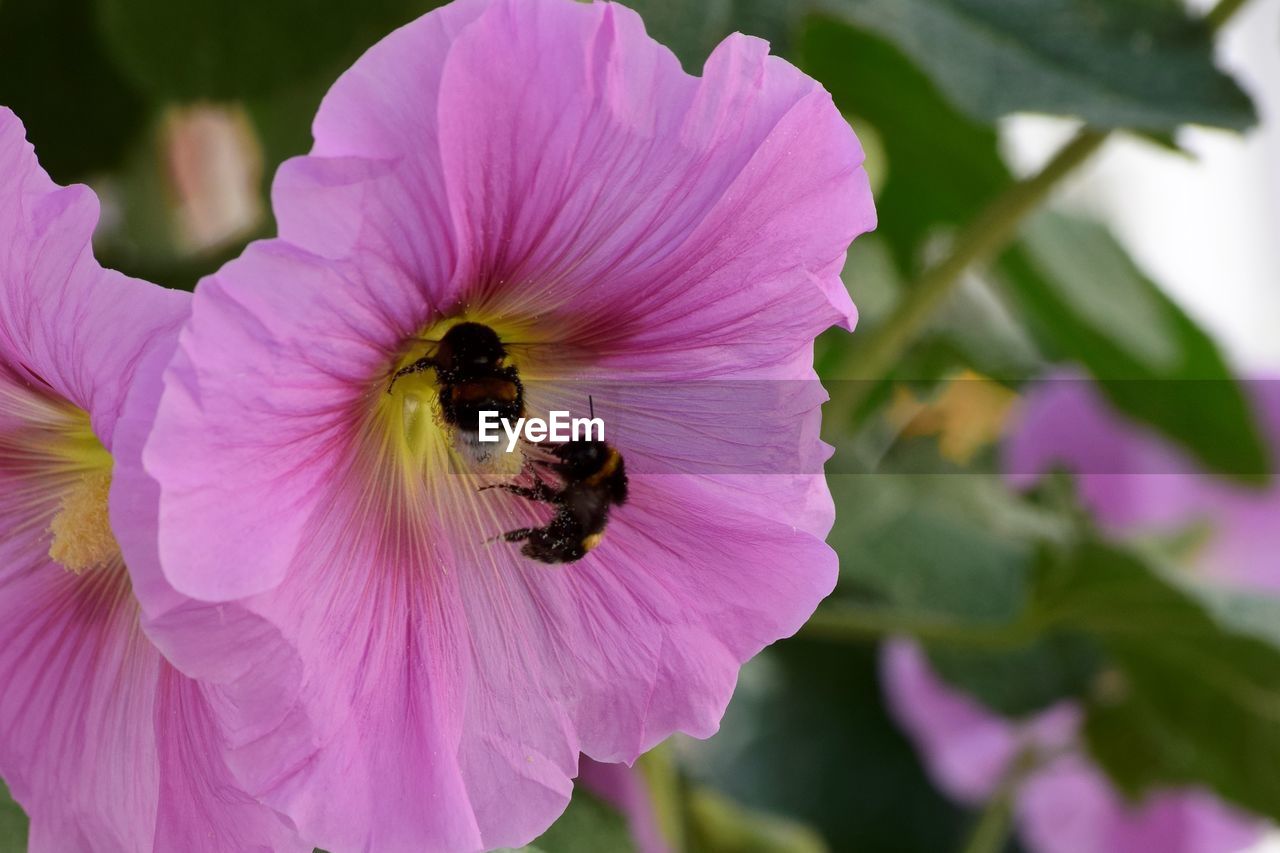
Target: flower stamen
82,537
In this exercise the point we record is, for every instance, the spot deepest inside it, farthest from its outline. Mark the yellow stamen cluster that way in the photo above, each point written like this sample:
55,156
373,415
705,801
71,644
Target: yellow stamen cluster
82,537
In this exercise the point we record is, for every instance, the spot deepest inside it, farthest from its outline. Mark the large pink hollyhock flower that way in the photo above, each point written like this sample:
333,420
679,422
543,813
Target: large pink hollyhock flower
1135,484
544,168
105,745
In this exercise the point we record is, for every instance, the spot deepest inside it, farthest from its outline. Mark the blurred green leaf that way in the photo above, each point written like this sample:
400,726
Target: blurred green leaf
693,29
1194,700
942,167
807,737
1020,681
1142,64
229,49
926,536
81,114
719,825
950,556
587,826
13,824
1087,302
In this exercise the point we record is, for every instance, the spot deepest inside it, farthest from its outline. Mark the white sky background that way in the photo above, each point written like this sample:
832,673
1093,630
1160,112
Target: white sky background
1208,228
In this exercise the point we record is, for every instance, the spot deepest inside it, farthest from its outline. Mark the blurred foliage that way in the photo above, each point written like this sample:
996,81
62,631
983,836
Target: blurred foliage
807,738
1090,305
1137,64
928,184
1195,692
1014,597
587,826
80,111
719,825
13,824
220,50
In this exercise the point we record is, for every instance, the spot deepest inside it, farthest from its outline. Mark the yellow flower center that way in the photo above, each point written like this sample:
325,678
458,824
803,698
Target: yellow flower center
82,537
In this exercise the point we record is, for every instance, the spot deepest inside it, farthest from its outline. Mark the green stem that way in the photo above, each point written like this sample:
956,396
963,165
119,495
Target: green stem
854,623
667,793
983,238
1223,12
989,233
994,825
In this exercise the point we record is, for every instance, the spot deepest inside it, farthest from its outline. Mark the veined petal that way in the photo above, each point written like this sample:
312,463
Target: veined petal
96,728
540,167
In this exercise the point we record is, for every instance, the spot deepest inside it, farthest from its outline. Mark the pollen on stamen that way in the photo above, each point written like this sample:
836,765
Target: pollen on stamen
82,537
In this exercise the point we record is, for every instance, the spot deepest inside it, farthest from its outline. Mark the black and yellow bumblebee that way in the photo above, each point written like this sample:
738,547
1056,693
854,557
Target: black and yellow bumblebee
594,479
471,367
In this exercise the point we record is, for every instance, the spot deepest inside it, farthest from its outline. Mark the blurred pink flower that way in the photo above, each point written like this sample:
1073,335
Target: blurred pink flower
214,173
625,789
542,167
104,744
1135,483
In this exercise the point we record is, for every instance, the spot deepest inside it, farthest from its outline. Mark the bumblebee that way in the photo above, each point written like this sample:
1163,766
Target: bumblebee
470,365
594,481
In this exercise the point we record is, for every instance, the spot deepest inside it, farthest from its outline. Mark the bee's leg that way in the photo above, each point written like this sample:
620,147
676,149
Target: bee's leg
539,491
519,535
419,366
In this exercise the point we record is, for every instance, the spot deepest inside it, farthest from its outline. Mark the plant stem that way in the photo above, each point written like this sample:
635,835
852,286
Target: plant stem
984,237
1223,12
849,622
989,233
992,832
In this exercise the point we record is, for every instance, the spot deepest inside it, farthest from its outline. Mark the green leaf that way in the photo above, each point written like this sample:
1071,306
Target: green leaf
1021,681
928,183
1142,64
807,737
226,49
720,825
949,557
13,824
692,30
587,826
1087,302
1194,699
80,112
923,536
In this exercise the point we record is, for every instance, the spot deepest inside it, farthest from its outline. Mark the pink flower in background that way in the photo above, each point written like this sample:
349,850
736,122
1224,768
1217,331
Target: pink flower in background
545,169
104,744
625,789
1134,483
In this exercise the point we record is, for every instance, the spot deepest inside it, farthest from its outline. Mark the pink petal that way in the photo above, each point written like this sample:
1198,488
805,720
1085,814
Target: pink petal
966,748
1071,807
545,162
625,789
1137,483
63,325
689,210
101,740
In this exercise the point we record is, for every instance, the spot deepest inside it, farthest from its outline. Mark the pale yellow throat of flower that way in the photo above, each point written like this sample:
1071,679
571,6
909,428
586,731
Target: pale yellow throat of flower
81,528
82,537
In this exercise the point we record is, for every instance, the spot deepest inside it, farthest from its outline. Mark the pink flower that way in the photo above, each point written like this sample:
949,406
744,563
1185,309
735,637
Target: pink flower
543,168
625,789
1134,483
105,745
1065,806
